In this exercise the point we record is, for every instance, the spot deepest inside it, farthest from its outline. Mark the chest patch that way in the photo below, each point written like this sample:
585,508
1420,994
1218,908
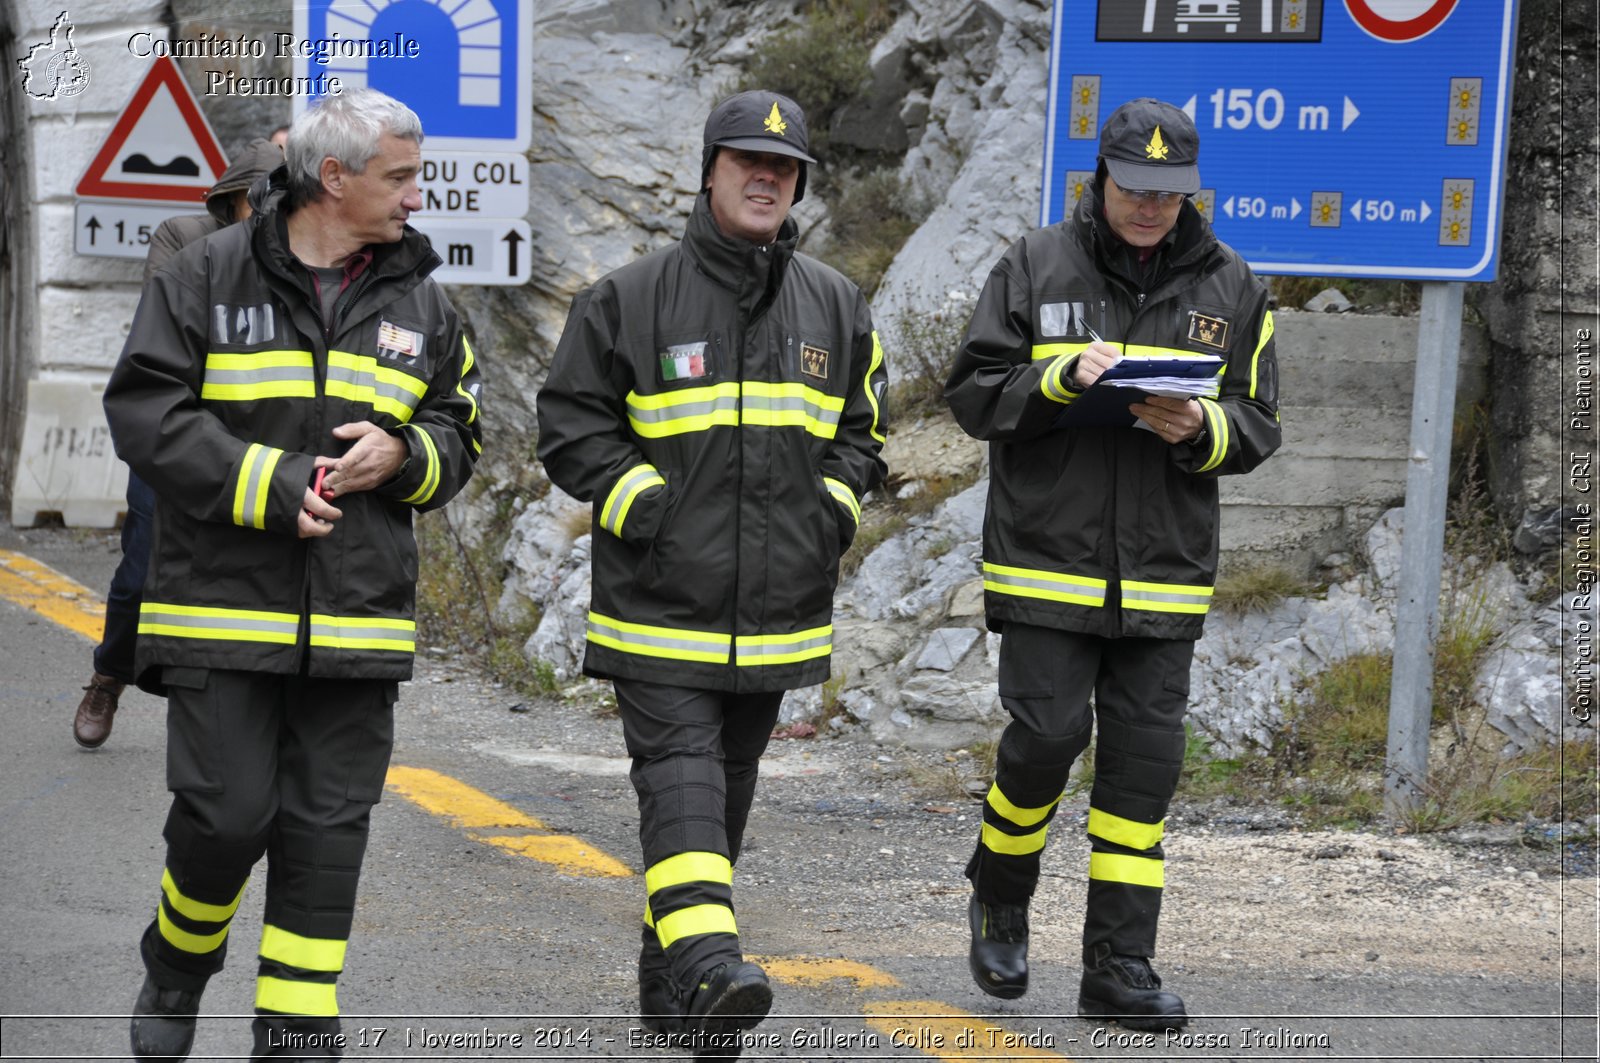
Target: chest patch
684,361
1208,329
813,361
399,344
1064,319
245,325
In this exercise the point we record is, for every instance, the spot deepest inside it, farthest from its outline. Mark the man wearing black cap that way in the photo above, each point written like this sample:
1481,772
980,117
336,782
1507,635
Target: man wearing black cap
1100,542
721,403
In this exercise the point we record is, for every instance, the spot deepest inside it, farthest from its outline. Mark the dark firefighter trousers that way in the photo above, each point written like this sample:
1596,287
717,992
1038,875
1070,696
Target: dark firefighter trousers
283,766
696,755
1141,692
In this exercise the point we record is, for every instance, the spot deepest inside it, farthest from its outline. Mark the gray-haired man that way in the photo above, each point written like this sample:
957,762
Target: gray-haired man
292,388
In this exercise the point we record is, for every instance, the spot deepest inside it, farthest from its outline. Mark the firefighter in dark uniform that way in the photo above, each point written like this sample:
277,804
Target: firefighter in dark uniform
1100,541
305,347
721,403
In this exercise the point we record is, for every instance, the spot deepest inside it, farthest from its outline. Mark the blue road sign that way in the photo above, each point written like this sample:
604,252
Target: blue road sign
465,66
1362,138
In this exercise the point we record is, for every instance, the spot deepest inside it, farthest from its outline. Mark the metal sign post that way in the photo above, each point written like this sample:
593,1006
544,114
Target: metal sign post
1416,625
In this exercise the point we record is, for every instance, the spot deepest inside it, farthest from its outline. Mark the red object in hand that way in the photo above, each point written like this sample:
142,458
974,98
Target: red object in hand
325,493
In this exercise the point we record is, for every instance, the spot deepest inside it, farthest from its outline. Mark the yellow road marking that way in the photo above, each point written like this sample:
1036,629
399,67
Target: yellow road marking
815,970
944,1032
473,810
52,595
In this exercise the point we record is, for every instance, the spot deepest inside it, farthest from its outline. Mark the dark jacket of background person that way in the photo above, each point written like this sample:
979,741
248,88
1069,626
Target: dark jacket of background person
259,158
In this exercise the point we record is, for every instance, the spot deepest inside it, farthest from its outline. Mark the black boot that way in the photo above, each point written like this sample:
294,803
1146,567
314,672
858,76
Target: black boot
660,1002
729,998
1127,989
999,955
162,1027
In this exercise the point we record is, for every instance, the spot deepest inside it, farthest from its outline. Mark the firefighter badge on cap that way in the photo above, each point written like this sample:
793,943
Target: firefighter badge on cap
1208,329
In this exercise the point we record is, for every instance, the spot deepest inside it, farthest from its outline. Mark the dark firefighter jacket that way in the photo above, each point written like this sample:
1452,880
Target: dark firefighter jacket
228,387
1109,530
721,405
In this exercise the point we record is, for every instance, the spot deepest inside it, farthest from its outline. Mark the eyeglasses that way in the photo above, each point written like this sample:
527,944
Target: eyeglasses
1160,198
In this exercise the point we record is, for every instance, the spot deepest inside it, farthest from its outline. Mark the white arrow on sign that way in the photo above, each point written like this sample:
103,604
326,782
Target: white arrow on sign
1355,211
1426,212
1187,108
1350,114
1294,208
1227,206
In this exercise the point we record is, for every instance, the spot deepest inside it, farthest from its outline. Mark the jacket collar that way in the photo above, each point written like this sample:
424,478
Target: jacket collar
410,255
735,263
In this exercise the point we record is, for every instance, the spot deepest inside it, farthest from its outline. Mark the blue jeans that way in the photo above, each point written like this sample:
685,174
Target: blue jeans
114,655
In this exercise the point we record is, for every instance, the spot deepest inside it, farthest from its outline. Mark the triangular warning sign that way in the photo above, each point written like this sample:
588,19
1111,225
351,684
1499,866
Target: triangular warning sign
161,149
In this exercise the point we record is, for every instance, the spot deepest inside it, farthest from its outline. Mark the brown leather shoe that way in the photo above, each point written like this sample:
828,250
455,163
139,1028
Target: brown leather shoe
92,725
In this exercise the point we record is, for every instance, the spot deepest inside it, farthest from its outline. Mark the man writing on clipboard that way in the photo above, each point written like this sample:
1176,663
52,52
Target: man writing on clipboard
1100,542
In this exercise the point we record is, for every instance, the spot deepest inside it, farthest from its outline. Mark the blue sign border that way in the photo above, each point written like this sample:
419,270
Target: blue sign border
1217,62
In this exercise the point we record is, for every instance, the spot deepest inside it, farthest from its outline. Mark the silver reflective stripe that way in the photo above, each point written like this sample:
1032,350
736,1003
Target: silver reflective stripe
657,642
1133,598
254,483
632,483
191,622
265,375
359,633
679,410
1055,584
792,404
759,649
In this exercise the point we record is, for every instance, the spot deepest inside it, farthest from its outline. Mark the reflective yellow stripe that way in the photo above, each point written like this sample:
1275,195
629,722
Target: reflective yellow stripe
845,497
873,366
430,478
246,478
1267,329
360,378
311,954
1055,389
466,367
296,998
999,841
697,919
1134,870
1166,597
1022,817
674,643
1056,350
253,486
231,625
1144,350
630,485
363,633
790,405
686,410
234,377
783,649
688,867
190,908
1129,832
1217,425
1036,583
179,938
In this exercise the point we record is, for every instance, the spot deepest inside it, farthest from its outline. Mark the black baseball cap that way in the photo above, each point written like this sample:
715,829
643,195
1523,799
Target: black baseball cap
1151,146
758,120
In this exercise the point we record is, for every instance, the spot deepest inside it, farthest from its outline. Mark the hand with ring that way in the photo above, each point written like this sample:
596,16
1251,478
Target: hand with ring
1174,420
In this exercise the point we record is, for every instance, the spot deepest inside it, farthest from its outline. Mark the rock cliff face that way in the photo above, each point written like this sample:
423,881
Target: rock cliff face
959,87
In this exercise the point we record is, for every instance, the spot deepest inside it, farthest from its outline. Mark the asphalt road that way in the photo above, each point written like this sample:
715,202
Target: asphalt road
487,927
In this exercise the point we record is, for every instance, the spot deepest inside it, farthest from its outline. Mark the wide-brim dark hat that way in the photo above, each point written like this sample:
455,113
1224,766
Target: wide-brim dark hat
758,121
1151,146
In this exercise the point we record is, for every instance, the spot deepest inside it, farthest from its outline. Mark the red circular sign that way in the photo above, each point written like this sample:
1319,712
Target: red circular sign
1398,21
